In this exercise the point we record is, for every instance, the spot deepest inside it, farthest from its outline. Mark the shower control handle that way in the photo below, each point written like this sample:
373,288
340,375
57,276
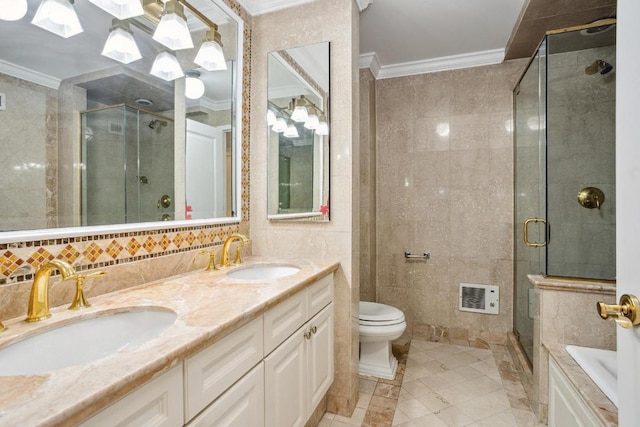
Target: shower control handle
625,313
591,198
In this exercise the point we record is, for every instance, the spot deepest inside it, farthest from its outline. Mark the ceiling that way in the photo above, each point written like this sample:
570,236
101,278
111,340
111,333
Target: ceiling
405,37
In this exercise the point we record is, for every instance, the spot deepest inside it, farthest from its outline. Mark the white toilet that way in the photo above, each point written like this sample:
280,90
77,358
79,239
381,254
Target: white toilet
379,325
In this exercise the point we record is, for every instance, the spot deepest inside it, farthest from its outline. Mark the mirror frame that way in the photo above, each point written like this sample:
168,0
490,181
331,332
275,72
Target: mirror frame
236,114
306,216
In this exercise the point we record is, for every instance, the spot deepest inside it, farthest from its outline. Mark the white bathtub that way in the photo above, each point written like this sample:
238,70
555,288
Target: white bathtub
601,366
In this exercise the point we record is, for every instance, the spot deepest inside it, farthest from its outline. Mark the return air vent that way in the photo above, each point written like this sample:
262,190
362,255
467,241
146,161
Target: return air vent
479,298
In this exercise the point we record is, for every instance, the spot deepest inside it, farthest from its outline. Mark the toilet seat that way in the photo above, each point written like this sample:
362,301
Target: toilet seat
375,314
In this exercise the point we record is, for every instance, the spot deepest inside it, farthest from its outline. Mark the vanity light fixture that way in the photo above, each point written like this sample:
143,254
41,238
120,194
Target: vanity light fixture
194,87
300,113
280,125
291,132
172,31
166,67
312,121
210,55
13,10
323,127
120,44
58,17
271,118
121,9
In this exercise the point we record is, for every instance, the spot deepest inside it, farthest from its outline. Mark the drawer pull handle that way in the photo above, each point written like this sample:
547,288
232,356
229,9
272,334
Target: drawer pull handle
307,335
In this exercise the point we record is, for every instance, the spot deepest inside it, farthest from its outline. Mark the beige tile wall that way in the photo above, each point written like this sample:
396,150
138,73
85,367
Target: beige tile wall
445,186
335,21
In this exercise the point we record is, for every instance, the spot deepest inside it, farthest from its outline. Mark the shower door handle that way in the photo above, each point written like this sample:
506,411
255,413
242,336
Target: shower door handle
526,233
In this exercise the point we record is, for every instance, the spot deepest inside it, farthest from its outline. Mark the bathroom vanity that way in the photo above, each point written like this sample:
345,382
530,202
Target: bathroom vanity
232,340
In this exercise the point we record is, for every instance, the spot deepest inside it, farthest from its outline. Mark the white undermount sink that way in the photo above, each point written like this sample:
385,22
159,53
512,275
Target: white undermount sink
263,271
83,341
601,366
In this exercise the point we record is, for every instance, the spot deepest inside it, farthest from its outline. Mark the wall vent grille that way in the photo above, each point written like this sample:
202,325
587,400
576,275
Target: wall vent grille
479,298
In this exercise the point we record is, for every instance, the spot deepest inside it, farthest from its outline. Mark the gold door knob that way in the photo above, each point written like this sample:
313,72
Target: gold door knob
625,313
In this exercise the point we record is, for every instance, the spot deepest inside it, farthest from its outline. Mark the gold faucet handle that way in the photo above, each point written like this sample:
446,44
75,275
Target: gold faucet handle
238,258
79,300
212,259
2,327
625,313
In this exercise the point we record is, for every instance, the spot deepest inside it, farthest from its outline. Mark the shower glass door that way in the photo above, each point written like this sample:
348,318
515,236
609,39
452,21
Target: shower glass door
529,153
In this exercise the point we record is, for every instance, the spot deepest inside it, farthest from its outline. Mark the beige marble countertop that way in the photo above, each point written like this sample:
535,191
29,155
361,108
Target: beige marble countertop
604,409
573,285
209,305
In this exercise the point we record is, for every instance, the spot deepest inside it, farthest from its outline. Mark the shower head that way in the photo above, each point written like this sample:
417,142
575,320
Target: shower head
155,123
598,65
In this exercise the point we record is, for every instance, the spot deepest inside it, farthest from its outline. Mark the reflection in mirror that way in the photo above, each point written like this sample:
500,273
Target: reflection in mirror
106,118
298,121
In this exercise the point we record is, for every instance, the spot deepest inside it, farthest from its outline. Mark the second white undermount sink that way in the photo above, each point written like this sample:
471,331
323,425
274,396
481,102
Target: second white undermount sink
83,341
263,271
601,365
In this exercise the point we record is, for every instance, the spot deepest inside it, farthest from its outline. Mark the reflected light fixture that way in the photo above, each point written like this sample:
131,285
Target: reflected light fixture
291,132
12,10
194,87
166,67
323,127
172,31
210,56
120,44
271,118
121,9
312,120
58,17
300,113
280,125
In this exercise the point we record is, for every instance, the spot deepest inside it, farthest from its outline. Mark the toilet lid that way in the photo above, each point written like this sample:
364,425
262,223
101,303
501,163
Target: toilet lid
375,312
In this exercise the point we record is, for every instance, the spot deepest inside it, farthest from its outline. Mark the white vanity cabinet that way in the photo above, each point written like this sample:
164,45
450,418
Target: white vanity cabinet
566,407
300,370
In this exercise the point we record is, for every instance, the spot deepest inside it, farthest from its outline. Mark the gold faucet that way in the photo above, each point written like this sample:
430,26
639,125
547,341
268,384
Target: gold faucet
38,308
225,249
79,301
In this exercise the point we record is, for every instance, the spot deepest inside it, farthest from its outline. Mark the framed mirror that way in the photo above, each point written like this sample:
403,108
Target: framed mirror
118,115
299,133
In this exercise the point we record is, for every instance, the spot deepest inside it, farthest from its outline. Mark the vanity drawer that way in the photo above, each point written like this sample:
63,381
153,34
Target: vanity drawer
319,295
157,403
283,320
213,370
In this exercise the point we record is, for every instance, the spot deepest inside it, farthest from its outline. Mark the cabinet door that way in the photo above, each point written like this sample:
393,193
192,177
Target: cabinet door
240,406
157,403
285,386
319,356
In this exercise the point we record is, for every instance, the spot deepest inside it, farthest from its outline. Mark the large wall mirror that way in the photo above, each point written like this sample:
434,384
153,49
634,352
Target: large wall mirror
298,128
118,115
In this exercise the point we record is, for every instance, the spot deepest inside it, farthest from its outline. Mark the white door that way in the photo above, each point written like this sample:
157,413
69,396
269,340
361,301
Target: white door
628,202
205,171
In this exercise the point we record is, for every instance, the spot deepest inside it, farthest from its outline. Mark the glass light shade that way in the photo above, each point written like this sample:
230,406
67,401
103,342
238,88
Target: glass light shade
121,46
271,118
312,122
323,129
280,125
12,10
291,132
300,114
166,67
210,57
121,9
59,17
194,87
172,32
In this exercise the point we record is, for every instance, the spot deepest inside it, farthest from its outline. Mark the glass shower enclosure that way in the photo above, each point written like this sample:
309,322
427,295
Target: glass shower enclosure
564,153
128,166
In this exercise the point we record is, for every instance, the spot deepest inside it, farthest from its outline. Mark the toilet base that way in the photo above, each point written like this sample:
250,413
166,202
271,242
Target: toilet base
377,360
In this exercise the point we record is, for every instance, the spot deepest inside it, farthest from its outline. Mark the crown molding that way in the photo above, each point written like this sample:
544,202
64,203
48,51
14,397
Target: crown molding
29,75
363,4
259,7
454,62
370,61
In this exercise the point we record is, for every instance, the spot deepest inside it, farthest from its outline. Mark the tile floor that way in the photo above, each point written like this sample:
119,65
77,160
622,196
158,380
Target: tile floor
443,385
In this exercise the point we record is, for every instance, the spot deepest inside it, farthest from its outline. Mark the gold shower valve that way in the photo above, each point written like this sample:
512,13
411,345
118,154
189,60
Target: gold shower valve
625,313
